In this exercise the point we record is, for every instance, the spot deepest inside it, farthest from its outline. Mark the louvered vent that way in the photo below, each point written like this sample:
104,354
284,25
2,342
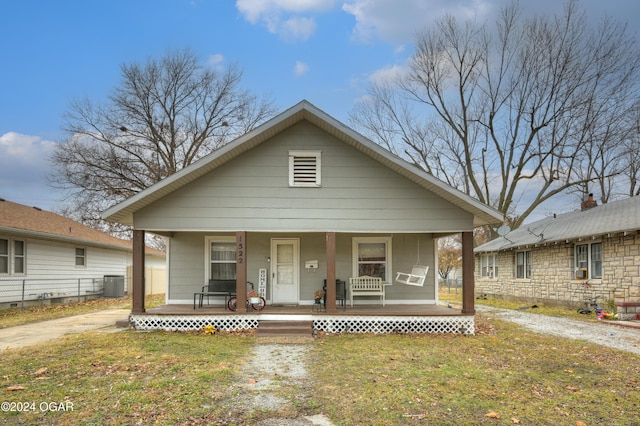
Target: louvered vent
304,168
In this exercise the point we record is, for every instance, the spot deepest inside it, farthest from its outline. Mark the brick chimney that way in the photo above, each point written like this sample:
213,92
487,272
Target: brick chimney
588,203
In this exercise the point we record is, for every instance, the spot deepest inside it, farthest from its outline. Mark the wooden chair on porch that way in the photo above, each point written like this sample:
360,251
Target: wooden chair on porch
341,293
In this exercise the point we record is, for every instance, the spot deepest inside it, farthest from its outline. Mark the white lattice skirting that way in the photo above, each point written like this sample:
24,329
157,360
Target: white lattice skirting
328,324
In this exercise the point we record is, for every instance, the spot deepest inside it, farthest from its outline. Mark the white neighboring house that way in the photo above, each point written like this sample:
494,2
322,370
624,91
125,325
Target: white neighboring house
48,257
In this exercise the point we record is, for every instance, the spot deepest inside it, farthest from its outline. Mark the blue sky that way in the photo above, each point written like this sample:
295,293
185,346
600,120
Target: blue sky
325,51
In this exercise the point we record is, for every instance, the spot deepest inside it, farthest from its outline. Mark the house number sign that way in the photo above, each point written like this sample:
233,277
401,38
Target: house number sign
240,249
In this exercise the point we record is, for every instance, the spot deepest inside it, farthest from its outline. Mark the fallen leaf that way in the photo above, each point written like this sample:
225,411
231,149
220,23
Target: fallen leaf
15,388
572,388
253,381
515,420
569,370
41,371
493,415
579,423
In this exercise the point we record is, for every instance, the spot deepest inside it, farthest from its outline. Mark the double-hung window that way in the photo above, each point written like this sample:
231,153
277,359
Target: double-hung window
489,265
4,256
13,257
81,257
523,264
588,260
372,257
221,258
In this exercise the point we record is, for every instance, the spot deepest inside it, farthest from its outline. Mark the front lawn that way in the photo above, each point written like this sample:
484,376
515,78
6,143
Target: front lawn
502,375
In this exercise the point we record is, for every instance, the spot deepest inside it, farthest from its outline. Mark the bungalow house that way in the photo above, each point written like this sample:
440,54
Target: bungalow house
46,257
300,201
568,258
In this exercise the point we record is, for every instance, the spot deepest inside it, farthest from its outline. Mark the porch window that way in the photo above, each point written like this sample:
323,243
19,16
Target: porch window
304,168
523,264
81,257
588,260
222,259
4,256
372,257
488,266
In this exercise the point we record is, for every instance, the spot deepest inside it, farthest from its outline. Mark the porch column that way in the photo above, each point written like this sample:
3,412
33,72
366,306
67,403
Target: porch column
137,290
241,271
331,272
468,284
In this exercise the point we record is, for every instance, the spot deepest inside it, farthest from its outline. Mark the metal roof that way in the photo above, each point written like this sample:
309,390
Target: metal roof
304,110
602,220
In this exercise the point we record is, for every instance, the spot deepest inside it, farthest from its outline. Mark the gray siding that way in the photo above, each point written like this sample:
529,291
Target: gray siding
251,193
188,262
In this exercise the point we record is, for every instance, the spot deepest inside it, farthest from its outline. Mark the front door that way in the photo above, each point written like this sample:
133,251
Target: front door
285,274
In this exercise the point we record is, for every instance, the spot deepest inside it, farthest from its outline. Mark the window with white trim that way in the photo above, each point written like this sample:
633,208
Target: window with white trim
81,257
4,256
489,265
304,168
588,260
13,257
523,264
221,253
372,257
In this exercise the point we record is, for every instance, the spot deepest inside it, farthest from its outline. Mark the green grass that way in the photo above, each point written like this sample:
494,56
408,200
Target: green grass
130,377
162,378
125,378
524,378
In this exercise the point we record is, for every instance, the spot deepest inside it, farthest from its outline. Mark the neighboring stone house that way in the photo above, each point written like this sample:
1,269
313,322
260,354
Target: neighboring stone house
568,258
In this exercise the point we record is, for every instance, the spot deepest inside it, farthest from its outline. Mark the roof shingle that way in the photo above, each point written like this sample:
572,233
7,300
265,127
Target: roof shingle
609,218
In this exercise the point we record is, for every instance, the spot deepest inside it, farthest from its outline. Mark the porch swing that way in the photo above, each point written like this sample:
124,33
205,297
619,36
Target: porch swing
417,275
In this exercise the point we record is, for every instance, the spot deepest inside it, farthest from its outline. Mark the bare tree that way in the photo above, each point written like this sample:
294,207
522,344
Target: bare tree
515,114
449,255
162,117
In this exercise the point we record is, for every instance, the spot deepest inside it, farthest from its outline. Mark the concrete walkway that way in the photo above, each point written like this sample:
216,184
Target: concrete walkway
29,334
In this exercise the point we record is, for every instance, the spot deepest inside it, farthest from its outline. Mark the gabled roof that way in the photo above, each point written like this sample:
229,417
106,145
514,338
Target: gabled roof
25,221
610,218
304,110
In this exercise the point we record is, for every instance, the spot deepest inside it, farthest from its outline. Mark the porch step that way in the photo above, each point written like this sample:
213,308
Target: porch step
284,328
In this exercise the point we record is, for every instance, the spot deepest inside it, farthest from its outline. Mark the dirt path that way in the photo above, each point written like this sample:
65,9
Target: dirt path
276,377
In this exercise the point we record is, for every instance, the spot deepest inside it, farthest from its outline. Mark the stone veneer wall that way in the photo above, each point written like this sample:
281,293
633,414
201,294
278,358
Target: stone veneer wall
553,279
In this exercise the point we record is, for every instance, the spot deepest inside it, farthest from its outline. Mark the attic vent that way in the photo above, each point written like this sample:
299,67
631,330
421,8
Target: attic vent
304,168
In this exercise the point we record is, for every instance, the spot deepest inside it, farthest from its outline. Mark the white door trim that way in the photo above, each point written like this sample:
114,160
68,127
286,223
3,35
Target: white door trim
289,292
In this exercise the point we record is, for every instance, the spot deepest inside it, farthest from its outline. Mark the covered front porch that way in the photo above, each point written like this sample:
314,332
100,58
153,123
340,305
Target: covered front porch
400,314
357,319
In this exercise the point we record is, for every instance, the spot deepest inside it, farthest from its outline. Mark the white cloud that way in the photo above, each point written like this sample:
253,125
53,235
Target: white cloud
300,68
387,75
395,22
24,160
283,17
215,60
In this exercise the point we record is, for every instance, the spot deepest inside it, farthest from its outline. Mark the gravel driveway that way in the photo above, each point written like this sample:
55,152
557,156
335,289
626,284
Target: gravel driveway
603,333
